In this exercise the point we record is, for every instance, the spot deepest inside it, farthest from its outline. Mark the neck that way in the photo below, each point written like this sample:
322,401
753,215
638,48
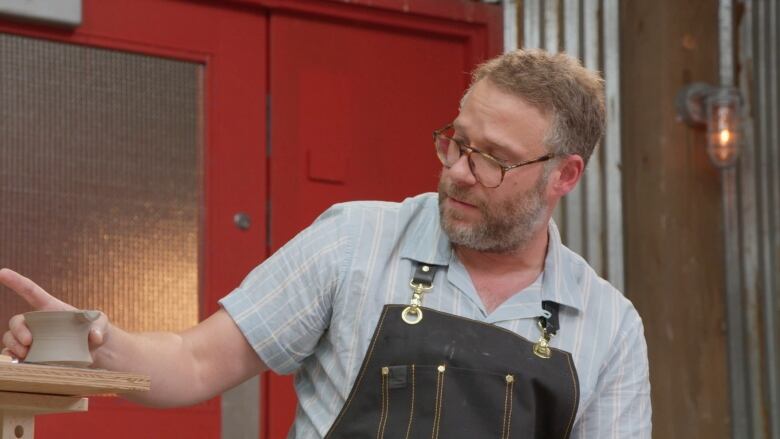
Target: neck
528,258
499,276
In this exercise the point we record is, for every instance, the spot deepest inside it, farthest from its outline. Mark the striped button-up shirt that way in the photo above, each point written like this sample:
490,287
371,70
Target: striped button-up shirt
312,307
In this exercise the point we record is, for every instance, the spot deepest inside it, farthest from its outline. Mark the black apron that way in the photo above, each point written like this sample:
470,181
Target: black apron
429,374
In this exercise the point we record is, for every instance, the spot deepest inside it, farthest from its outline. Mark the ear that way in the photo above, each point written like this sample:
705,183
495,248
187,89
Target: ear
568,174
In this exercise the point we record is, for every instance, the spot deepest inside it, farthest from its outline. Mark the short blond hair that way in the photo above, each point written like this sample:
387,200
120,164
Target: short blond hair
558,84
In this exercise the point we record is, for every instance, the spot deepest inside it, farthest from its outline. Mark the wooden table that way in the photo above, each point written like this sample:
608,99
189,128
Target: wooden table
27,390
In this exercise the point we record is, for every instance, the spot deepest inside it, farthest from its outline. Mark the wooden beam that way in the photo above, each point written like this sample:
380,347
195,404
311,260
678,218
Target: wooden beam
671,195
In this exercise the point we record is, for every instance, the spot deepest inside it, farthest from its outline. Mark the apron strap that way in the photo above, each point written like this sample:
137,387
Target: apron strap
424,273
422,281
550,323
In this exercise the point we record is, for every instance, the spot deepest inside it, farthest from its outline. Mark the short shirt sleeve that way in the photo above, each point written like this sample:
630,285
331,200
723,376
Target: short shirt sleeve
284,305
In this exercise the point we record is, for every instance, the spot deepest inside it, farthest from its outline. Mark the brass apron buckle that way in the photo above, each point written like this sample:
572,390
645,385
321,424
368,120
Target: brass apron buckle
413,314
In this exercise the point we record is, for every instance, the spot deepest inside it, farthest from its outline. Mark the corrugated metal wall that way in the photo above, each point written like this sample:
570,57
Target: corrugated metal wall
759,215
590,217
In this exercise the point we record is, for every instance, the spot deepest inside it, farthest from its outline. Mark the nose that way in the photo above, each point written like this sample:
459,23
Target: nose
460,172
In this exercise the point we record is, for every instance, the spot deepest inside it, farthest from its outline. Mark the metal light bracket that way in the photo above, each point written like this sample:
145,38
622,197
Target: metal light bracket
718,110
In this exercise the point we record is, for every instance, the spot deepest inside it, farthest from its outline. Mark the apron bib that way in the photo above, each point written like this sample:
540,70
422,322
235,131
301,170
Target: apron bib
429,374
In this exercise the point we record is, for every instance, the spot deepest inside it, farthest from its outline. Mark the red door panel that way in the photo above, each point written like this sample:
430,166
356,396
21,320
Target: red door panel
353,108
231,44
357,87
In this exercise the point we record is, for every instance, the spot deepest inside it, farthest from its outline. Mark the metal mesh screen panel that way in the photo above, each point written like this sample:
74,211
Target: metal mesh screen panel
100,180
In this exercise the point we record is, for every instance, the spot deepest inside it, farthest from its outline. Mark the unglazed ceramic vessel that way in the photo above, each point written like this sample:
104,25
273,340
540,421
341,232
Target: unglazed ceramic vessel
60,337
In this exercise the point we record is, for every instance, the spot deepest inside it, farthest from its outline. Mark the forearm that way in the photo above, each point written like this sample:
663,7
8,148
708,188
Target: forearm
164,356
185,368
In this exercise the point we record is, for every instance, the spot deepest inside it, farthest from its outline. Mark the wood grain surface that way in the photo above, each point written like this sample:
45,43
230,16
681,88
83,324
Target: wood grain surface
56,380
672,212
30,403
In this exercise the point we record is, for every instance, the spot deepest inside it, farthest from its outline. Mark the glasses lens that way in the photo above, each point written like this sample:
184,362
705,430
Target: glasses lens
487,171
447,149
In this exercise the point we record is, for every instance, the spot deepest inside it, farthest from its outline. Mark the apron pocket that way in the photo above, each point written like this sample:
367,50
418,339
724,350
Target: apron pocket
445,402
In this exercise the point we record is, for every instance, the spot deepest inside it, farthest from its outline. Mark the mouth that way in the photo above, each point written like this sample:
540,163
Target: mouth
460,203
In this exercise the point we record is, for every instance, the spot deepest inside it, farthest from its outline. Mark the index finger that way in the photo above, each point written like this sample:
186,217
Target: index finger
34,295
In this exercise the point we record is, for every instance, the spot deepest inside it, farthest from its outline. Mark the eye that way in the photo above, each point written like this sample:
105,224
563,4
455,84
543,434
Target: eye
460,141
499,158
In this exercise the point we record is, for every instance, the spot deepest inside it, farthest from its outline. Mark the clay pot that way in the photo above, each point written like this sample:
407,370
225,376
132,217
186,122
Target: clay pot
60,337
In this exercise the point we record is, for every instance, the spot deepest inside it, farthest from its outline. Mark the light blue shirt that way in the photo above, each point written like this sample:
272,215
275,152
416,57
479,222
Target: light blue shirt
312,307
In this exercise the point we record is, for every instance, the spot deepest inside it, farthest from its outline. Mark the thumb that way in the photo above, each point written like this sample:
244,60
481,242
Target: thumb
98,332
34,295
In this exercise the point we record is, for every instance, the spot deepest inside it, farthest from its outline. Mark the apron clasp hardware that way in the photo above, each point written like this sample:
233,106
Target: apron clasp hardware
542,347
413,314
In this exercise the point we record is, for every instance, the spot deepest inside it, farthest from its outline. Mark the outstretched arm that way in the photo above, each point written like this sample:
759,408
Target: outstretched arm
185,368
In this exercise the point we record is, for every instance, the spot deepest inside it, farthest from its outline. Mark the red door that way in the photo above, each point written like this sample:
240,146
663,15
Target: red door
356,93
231,45
356,89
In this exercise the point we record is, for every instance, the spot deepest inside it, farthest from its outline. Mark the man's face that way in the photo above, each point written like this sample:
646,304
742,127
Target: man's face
502,219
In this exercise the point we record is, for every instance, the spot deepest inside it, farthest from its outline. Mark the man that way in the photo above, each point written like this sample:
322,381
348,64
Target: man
454,316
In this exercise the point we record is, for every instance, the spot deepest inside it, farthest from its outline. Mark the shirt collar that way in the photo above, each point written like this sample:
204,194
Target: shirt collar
429,244
559,283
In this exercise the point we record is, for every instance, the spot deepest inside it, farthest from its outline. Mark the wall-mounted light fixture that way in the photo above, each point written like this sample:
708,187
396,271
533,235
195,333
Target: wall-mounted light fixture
717,109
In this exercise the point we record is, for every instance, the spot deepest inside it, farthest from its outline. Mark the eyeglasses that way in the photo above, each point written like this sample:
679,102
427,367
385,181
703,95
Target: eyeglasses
488,170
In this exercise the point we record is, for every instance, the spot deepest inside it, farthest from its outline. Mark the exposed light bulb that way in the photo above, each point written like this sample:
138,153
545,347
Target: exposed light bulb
725,135
719,110
723,108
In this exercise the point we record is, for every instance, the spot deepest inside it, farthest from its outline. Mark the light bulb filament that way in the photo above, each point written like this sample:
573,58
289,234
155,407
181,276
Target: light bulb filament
725,136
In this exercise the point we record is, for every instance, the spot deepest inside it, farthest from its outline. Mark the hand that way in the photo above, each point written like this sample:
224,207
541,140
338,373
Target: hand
18,338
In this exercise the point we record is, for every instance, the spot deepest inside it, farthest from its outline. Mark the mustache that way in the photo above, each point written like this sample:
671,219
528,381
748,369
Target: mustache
459,193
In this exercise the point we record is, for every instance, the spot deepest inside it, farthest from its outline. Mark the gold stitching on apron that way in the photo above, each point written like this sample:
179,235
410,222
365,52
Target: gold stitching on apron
389,308
506,424
439,397
411,409
575,398
384,414
509,418
366,360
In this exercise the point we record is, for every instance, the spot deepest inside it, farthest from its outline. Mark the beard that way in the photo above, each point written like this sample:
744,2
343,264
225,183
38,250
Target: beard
504,227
